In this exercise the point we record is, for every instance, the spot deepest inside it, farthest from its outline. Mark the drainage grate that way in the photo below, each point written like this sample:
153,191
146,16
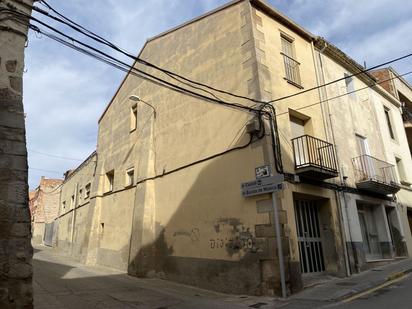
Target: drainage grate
257,305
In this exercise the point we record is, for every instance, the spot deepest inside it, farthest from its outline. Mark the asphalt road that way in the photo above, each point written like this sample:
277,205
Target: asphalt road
61,283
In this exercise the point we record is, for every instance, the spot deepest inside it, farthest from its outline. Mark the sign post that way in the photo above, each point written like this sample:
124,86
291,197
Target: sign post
264,184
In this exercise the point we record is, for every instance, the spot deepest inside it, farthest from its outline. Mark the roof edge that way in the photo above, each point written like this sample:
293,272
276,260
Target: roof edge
287,21
354,67
87,160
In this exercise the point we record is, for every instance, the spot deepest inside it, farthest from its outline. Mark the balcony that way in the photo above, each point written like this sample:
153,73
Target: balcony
375,175
314,158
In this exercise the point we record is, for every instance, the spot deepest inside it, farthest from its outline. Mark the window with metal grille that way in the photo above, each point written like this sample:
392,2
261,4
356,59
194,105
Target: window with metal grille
292,73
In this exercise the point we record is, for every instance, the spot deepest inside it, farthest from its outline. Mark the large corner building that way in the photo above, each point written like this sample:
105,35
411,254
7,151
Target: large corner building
161,195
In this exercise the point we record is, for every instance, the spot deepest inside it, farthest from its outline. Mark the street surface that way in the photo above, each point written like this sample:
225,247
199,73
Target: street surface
59,282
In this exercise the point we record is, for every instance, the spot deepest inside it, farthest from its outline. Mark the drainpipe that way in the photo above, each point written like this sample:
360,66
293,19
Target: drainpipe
324,96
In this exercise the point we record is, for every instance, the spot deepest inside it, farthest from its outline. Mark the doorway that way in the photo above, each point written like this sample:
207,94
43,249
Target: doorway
309,236
369,232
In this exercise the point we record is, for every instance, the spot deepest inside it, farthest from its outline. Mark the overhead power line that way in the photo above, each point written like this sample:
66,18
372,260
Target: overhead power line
104,41
81,29
43,170
348,93
53,156
118,63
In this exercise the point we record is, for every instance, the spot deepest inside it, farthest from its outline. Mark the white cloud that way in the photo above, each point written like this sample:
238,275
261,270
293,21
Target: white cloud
65,92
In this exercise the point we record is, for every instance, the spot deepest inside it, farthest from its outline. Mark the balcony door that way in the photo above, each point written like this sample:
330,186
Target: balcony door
297,127
365,161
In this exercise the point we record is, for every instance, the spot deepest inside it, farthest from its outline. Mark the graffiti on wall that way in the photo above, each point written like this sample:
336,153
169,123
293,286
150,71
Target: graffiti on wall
239,239
193,234
231,235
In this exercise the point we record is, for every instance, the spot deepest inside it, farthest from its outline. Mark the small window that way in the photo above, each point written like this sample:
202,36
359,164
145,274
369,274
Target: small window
80,194
109,181
350,86
401,171
133,118
130,177
292,73
72,202
64,205
388,121
87,191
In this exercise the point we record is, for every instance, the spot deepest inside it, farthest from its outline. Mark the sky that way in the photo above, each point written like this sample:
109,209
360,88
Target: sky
66,92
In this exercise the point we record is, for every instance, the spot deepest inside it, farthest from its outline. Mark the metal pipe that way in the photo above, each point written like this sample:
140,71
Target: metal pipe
342,228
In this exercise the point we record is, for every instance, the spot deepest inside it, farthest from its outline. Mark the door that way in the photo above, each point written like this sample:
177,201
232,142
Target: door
370,236
366,162
48,234
297,127
309,238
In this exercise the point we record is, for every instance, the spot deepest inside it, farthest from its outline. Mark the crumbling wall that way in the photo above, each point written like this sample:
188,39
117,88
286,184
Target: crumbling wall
15,248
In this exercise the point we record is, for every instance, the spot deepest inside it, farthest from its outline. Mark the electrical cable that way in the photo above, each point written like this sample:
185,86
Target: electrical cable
340,79
108,43
348,93
53,156
42,170
79,28
119,62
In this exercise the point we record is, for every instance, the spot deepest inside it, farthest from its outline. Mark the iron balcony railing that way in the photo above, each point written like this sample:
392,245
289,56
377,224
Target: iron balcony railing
310,151
292,70
372,169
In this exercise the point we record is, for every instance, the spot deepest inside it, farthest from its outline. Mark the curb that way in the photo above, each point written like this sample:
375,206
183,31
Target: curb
375,284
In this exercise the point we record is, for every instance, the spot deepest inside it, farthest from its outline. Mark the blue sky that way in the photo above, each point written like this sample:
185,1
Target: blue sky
66,92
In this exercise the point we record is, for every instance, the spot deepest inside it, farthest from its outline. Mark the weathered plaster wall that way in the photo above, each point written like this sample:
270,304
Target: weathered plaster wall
77,223
362,113
15,248
196,218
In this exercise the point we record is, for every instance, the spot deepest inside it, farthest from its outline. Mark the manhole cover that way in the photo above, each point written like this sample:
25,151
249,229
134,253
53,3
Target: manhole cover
346,283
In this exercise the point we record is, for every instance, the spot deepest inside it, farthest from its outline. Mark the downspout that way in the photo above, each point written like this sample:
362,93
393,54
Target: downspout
324,96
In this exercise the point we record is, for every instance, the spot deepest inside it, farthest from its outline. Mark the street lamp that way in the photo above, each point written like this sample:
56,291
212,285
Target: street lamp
135,98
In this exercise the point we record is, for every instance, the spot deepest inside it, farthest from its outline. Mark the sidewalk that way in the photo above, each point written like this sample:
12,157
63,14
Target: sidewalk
60,282
339,289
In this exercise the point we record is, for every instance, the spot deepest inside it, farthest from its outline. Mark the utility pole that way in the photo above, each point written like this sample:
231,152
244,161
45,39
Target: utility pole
15,230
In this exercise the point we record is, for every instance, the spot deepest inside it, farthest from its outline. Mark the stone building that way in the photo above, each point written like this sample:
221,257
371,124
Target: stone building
15,248
44,208
164,195
399,88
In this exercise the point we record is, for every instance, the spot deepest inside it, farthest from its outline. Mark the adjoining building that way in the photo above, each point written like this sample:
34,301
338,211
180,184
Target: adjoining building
400,89
164,195
44,208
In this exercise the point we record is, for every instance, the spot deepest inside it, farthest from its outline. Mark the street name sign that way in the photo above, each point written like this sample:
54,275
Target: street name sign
262,185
